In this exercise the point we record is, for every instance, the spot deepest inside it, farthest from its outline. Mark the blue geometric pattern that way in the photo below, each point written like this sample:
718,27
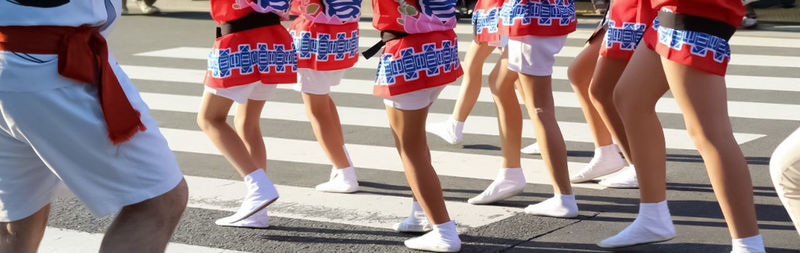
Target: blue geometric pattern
443,9
485,19
222,61
627,36
563,11
701,44
323,46
281,5
431,60
344,9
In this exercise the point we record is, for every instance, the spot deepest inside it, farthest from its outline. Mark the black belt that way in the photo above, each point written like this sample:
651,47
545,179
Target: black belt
696,24
386,36
252,20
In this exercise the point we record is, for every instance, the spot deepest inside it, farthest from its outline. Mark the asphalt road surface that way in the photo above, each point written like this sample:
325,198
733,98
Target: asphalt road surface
165,57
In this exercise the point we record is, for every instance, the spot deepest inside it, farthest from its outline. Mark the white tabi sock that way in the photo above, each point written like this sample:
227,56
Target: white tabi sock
451,130
416,222
560,205
653,224
753,244
443,238
507,183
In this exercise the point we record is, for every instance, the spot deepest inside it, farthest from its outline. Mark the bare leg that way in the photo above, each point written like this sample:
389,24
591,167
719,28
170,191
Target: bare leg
24,235
541,109
605,78
580,75
471,81
640,87
248,128
702,99
212,120
147,226
635,97
324,118
409,130
509,114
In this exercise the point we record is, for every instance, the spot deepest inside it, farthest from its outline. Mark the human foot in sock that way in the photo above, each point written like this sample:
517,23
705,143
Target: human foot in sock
562,206
260,193
509,182
625,179
753,244
450,130
606,160
341,181
532,149
258,220
443,238
653,224
416,222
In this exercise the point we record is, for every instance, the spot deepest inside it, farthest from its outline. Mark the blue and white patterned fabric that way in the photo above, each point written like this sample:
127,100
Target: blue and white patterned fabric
340,47
262,59
701,44
485,19
627,36
562,11
432,60
343,9
443,9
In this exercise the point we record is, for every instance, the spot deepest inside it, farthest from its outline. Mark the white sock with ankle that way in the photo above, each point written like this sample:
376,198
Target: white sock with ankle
507,183
443,238
560,205
653,224
753,244
347,154
458,126
417,221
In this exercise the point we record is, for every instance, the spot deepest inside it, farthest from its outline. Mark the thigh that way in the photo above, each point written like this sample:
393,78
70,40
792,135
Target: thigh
702,98
642,82
66,128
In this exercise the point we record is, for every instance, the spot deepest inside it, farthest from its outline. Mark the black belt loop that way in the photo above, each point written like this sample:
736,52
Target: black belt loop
386,36
696,24
252,20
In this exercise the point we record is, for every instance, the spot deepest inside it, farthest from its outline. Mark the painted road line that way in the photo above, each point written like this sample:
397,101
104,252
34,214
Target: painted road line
360,209
368,117
373,157
738,109
58,240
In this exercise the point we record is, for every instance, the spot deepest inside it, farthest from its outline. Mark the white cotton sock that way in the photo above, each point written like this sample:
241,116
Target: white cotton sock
417,221
560,205
607,150
458,126
653,224
347,154
753,244
507,183
443,238
606,160
260,193
342,180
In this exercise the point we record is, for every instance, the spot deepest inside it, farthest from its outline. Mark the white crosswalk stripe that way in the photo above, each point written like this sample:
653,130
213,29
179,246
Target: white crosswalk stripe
377,210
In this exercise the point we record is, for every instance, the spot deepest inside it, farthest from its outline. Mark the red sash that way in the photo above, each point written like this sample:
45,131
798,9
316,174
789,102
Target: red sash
82,56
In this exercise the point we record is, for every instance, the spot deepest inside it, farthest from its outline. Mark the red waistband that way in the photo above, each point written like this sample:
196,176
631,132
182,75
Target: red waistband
82,56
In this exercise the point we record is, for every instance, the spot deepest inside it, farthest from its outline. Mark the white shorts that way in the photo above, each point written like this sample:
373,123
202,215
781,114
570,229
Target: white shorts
534,55
414,100
317,82
59,135
240,94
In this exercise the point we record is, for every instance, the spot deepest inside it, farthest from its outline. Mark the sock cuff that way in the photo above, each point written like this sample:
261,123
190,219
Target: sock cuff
753,241
658,208
565,196
507,172
415,206
450,225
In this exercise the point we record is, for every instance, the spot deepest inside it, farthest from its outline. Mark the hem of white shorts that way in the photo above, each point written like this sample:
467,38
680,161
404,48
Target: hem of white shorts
27,211
137,197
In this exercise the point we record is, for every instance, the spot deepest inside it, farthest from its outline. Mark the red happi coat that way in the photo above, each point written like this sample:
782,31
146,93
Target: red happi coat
537,17
325,33
263,54
428,57
485,20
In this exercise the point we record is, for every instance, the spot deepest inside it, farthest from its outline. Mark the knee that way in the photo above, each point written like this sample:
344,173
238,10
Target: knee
627,106
245,124
578,77
601,95
173,202
206,122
